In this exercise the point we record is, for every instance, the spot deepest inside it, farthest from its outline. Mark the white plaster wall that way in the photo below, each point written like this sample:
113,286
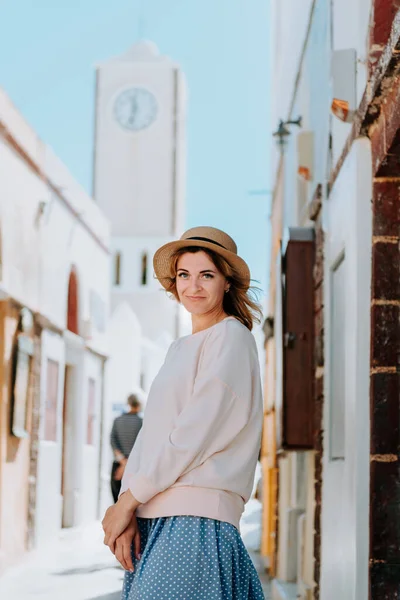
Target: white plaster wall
289,21
91,453
65,243
48,485
82,468
39,249
20,191
345,501
350,29
156,311
42,239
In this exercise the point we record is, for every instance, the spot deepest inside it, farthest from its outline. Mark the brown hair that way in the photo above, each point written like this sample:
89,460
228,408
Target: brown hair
134,401
238,302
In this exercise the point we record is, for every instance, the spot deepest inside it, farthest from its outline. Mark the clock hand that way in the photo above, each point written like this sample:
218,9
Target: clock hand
134,110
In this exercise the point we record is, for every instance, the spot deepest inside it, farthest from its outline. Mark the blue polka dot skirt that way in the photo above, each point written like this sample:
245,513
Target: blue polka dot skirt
191,558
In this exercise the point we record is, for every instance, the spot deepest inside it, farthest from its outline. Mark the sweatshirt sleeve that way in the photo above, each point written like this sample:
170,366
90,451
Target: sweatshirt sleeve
216,412
115,445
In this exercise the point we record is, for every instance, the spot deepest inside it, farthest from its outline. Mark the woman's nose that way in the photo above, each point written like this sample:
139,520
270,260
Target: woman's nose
195,284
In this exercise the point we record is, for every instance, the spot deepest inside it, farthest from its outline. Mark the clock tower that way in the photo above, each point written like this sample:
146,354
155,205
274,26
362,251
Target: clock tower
139,175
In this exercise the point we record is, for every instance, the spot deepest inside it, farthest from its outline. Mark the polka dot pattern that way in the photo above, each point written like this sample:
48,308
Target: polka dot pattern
191,558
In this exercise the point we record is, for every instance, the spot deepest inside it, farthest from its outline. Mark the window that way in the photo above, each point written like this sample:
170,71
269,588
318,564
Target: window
72,316
337,361
297,404
91,414
50,413
144,269
117,268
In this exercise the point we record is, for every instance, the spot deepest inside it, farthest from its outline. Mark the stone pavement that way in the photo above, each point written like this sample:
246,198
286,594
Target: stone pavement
77,566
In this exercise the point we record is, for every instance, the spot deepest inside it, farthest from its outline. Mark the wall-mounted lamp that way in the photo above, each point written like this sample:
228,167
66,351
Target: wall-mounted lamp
268,329
282,133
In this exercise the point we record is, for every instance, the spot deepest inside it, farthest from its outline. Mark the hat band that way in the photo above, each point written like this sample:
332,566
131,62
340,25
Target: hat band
203,239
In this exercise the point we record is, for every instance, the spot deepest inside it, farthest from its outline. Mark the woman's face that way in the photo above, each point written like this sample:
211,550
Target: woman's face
200,286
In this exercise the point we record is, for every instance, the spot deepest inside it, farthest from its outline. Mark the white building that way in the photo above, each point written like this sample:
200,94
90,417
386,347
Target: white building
54,286
139,175
139,183
323,184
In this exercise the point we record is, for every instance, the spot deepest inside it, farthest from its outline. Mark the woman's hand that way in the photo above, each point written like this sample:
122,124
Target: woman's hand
123,545
117,518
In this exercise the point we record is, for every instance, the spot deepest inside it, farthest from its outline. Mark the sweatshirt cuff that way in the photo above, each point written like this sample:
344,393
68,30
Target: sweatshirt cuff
142,488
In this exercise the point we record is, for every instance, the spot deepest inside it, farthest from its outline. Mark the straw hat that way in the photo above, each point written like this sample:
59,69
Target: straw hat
203,237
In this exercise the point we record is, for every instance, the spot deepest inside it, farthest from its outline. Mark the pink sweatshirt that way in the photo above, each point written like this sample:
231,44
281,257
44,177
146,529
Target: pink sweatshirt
197,450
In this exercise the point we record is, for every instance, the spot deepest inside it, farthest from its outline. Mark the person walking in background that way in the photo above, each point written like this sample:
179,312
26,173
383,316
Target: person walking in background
123,436
192,469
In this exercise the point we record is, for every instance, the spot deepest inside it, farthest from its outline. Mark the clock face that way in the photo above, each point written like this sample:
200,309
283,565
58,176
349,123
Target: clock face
135,109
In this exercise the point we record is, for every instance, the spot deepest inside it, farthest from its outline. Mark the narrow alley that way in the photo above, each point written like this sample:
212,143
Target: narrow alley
77,566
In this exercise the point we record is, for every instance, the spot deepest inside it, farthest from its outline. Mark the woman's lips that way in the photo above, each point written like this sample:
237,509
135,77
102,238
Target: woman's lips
195,297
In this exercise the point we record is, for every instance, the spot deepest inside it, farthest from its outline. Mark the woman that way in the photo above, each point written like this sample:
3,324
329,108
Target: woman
192,468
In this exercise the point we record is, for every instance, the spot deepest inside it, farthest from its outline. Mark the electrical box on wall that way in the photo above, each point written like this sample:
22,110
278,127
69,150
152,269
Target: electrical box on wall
344,84
295,414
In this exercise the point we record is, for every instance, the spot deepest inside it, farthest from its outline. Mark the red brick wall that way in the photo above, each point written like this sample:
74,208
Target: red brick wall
385,392
385,347
316,216
383,13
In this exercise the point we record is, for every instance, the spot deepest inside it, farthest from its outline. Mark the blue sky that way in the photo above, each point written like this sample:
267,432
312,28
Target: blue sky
48,51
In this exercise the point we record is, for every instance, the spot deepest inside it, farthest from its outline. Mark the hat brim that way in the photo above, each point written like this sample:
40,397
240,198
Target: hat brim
163,256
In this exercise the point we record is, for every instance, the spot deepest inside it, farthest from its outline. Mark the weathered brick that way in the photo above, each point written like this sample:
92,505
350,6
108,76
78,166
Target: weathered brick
386,208
319,347
377,134
385,426
318,322
384,510
318,441
385,271
390,108
384,582
319,236
318,390
318,298
385,335
318,480
315,206
318,273
318,396
383,15
390,164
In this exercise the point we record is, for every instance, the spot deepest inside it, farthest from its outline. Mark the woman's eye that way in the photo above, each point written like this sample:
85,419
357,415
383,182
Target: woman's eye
182,275
208,276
